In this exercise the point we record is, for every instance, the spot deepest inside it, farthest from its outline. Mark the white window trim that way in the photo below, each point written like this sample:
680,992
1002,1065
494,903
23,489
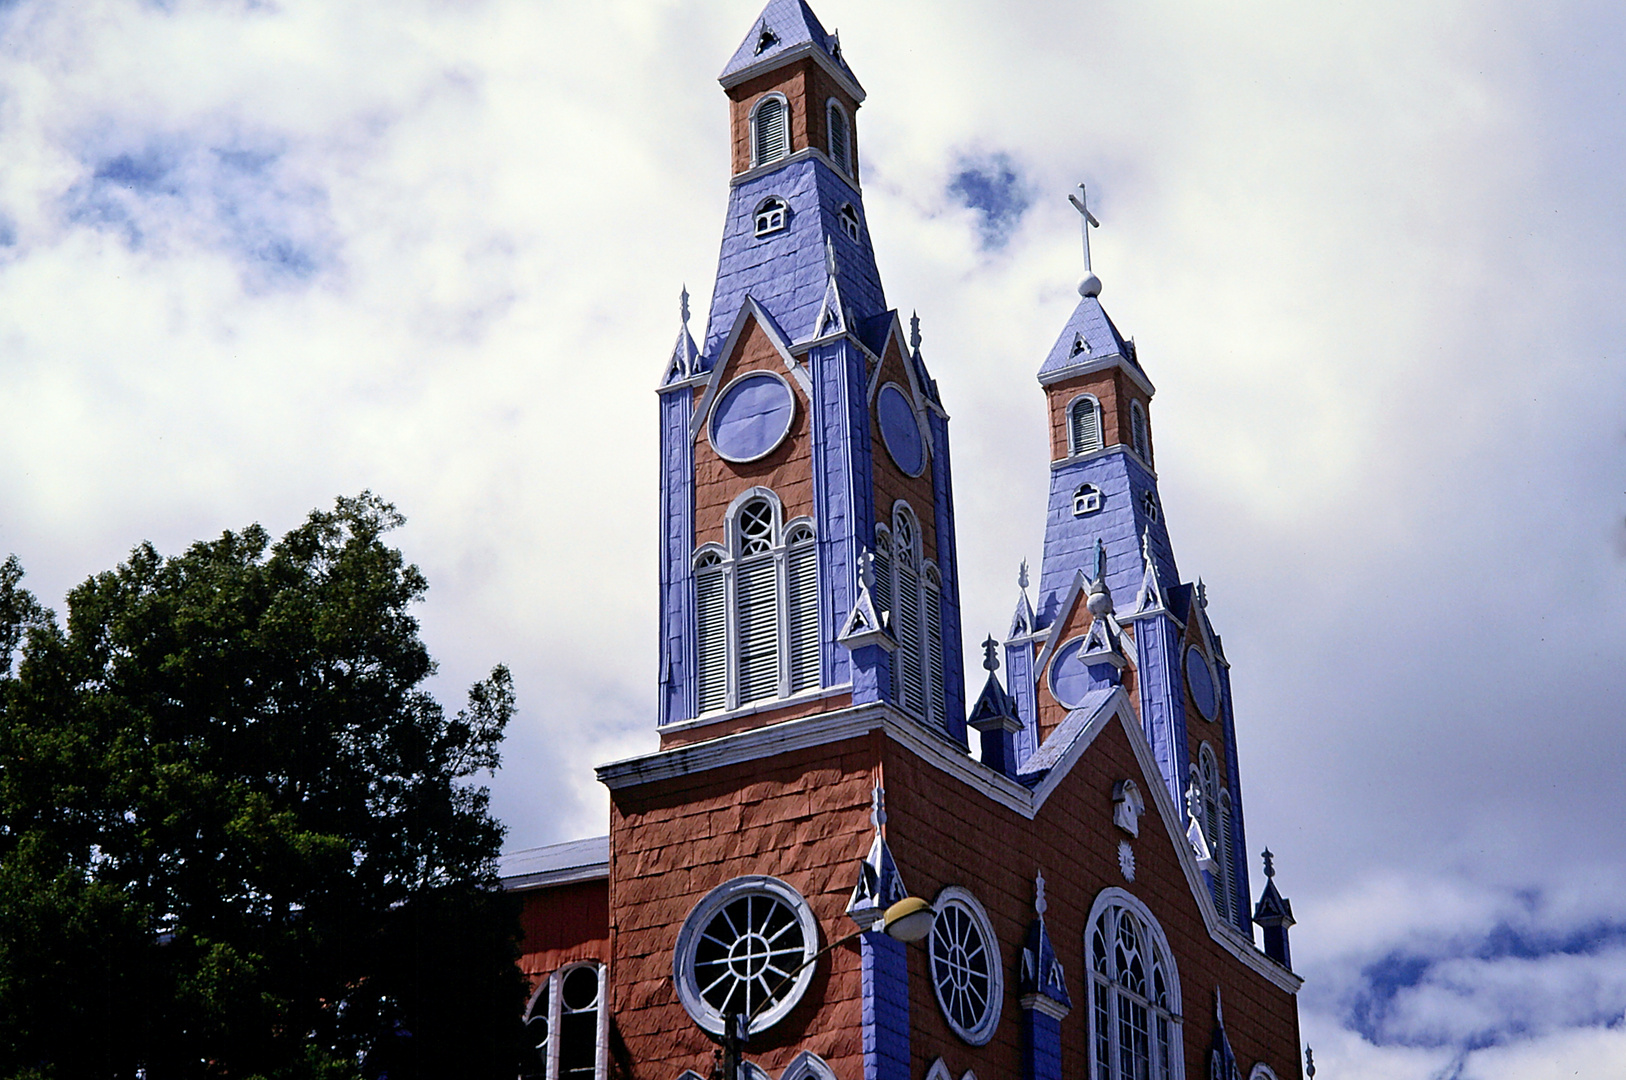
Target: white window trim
985,1028
1114,896
1261,1071
1100,426
848,212
700,917
1220,798
784,220
928,578
751,127
1082,494
1143,450
551,985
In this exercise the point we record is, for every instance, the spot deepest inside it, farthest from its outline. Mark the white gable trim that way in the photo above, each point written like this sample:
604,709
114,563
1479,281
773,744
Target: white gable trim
749,310
1063,613
1105,363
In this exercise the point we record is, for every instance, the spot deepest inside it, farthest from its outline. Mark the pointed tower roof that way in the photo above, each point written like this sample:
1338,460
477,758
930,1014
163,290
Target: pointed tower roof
1088,338
788,30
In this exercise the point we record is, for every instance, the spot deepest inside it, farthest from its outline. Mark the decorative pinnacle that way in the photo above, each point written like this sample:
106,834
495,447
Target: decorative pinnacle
1270,864
1146,546
1202,594
829,256
683,305
990,662
1309,1063
1100,560
914,331
877,814
866,567
1022,576
1039,902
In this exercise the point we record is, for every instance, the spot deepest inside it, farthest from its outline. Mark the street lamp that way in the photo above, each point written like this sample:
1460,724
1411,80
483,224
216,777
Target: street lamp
909,920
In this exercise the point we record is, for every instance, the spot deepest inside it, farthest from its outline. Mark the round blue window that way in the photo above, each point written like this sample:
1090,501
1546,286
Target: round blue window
899,430
1069,676
1200,677
752,417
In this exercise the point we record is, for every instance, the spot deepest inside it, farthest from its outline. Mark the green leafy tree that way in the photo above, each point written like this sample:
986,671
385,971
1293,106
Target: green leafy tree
237,836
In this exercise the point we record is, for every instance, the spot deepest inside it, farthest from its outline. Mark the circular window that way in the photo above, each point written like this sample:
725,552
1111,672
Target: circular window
1200,677
900,430
1069,675
966,969
752,417
737,951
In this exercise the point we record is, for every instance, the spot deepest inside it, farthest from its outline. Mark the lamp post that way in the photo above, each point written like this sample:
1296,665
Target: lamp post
909,920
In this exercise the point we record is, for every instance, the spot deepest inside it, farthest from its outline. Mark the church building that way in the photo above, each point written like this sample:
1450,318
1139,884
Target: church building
1076,827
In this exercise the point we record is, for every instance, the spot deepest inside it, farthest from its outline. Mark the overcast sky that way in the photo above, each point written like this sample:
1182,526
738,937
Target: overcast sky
256,255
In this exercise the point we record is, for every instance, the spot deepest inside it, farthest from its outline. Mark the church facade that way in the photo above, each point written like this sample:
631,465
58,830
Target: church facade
1093,914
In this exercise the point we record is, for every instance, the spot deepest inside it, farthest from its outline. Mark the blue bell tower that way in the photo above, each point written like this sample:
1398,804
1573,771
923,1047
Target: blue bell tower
807,545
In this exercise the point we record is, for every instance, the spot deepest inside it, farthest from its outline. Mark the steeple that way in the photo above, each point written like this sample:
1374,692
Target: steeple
803,432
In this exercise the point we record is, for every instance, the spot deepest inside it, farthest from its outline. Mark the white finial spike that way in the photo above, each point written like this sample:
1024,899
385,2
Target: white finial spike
829,256
683,306
877,815
866,568
1039,902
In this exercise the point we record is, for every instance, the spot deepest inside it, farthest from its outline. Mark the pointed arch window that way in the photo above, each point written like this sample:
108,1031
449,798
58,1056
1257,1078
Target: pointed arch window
849,221
840,133
757,632
770,130
1084,425
910,588
1134,996
1217,831
1137,431
771,216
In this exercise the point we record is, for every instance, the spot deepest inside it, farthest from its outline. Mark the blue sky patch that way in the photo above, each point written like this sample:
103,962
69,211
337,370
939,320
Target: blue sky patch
992,186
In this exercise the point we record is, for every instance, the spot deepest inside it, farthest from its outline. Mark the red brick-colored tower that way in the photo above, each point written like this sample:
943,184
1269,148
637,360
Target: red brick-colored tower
813,764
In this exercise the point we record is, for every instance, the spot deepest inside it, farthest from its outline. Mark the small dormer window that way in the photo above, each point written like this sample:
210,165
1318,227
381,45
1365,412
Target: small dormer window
849,221
840,136
1086,500
1079,345
766,40
1148,506
771,216
770,130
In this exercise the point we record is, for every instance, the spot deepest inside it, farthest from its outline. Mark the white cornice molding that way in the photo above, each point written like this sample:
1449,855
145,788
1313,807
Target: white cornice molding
790,56
1104,363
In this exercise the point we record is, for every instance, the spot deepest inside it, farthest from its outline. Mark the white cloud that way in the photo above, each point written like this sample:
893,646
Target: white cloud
1372,259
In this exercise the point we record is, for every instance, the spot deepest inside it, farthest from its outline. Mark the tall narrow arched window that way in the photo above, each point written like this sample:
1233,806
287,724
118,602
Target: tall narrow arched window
910,588
757,635
756,601
1084,425
711,631
1134,994
1137,431
770,130
802,603
840,136
1217,830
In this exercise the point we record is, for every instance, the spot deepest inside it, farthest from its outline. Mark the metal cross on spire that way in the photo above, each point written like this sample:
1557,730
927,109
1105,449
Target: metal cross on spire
1082,205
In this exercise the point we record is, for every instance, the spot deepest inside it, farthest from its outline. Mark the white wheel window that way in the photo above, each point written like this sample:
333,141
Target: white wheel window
967,975
738,949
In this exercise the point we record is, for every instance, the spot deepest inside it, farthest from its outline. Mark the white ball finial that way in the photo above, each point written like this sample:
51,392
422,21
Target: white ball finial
1089,285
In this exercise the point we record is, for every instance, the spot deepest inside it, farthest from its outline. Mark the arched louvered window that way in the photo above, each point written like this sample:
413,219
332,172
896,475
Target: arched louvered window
1137,431
1134,1006
711,631
802,602
771,216
1084,425
910,589
757,634
840,136
1217,830
770,130
756,601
